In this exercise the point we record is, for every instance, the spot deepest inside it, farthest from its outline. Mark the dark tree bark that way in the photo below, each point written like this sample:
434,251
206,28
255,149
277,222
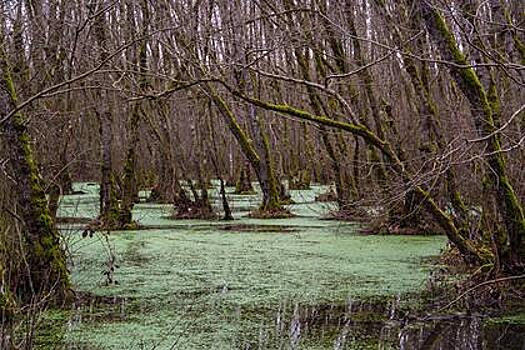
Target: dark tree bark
46,261
109,208
485,112
129,180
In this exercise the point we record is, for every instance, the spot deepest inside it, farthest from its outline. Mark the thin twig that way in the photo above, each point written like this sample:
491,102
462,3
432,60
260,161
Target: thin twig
503,279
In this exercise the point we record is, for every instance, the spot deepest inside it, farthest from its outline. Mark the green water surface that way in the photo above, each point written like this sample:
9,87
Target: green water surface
242,285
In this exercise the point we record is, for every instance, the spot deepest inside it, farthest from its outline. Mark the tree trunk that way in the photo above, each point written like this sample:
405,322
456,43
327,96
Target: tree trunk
46,261
244,184
470,252
129,179
109,209
266,172
341,187
485,112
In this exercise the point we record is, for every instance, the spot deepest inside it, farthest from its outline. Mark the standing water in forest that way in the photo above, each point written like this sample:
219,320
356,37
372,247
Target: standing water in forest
302,283
405,119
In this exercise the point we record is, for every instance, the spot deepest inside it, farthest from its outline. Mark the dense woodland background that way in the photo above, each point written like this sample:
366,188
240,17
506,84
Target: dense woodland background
414,109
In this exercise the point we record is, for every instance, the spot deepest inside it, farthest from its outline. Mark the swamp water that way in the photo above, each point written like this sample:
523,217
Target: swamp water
299,283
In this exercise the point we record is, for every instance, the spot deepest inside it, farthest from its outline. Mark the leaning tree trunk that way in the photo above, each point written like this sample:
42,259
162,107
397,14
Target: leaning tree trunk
46,261
430,116
342,188
470,252
486,113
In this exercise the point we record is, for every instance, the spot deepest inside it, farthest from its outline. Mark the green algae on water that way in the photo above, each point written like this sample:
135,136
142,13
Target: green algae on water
200,284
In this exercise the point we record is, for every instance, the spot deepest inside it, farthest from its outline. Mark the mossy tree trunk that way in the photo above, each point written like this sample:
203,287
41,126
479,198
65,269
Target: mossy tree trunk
201,202
486,113
256,150
46,262
108,201
266,178
430,120
300,177
129,178
262,167
267,175
469,251
265,172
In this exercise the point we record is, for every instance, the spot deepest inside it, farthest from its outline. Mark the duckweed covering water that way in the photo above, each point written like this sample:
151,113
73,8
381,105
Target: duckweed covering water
199,285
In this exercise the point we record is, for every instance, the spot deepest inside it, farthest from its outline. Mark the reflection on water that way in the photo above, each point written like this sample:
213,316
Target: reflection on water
461,333
381,326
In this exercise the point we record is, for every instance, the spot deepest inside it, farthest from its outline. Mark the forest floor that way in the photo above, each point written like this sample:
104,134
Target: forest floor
297,283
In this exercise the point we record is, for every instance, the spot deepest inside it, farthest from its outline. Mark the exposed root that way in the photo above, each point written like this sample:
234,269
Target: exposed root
384,227
395,223
483,284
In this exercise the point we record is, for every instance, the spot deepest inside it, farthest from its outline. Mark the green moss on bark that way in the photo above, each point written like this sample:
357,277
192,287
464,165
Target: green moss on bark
485,110
48,273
